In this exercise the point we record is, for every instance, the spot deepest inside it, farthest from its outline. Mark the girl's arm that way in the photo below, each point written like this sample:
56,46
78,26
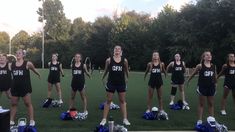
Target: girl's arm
61,70
107,62
184,66
215,76
86,71
9,66
198,67
163,69
126,68
147,69
31,67
169,66
222,71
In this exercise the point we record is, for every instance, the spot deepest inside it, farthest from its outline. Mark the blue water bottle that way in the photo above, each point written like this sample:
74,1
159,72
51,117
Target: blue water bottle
21,124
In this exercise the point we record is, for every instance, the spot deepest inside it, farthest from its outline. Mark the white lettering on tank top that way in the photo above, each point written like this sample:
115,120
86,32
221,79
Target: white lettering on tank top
178,68
77,72
53,68
208,73
156,70
18,72
3,72
116,68
231,72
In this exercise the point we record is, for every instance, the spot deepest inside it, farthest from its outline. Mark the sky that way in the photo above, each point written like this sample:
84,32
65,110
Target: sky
16,15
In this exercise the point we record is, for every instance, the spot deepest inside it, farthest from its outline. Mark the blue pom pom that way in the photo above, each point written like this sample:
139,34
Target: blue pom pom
150,115
65,116
101,128
30,129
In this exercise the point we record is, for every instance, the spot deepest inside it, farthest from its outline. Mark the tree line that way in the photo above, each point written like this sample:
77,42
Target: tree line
200,26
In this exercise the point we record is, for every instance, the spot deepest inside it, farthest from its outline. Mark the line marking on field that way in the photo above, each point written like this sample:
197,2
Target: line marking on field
168,131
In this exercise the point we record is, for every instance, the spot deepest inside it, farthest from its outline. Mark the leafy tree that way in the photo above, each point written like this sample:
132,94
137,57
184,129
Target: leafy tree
34,49
131,31
57,26
4,42
80,34
98,47
20,41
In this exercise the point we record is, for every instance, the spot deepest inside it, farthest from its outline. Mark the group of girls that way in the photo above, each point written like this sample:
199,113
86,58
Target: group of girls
116,67
15,82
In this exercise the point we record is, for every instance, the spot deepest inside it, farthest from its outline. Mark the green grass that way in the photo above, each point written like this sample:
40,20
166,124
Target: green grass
47,120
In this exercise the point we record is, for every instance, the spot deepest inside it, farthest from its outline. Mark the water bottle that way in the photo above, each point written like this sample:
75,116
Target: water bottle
21,124
111,124
123,129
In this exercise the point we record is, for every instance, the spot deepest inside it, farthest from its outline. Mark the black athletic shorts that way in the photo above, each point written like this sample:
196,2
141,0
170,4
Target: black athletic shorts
229,85
177,82
155,84
20,91
5,85
206,91
112,88
77,86
53,80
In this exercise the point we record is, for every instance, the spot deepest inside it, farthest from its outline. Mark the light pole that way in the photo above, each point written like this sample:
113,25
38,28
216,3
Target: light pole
9,45
43,35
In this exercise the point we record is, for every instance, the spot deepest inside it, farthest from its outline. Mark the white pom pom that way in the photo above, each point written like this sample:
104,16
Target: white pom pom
154,109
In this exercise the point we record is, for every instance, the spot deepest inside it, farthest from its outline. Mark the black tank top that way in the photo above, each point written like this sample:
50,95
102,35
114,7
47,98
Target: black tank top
78,73
178,71
206,76
229,75
21,75
155,73
5,74
54,69
116,72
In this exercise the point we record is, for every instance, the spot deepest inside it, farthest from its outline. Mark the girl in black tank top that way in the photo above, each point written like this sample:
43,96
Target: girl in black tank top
206,77
229,79
117,67
55,69
228,70
206,84
5,76
116,72
177,68
78,81
54,72
77,74
21,85
155,68
155,80
178,71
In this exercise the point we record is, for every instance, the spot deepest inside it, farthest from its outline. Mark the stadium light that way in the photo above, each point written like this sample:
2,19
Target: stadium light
10,45
42,35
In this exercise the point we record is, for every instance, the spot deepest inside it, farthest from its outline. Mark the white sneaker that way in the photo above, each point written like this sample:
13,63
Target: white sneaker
60,101
126,122
199,122
12,123
31,123
223,112
85,112
147,111
185,103
103,122
171,103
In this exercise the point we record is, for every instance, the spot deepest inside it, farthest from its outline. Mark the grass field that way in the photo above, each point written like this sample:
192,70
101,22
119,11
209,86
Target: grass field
47,120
